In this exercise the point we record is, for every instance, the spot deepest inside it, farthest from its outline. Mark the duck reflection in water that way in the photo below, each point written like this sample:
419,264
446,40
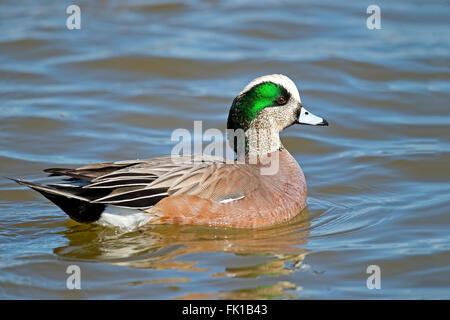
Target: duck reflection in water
271,252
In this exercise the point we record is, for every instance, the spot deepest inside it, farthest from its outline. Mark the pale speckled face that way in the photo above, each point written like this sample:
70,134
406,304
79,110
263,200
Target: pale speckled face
265,107
272,98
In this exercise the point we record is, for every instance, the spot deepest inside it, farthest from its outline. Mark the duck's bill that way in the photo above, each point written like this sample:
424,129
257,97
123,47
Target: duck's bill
308,118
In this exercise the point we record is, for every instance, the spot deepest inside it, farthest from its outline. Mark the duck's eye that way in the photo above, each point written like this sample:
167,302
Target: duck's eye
281,100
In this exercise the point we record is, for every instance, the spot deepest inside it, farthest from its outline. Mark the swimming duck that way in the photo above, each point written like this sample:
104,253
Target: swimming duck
200,190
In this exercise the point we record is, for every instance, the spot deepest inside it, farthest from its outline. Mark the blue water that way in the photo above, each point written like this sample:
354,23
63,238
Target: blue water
378,178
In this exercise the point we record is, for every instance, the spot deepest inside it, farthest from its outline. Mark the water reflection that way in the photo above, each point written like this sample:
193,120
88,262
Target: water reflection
275,291
272,251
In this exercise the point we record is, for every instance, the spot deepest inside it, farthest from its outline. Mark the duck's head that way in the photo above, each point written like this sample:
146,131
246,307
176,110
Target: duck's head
264,108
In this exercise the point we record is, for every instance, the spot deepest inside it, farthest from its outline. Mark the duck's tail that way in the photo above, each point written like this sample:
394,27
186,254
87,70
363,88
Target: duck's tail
79,208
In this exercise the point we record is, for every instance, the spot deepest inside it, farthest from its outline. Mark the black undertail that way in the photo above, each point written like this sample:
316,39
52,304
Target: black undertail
84,193
78,208
86,204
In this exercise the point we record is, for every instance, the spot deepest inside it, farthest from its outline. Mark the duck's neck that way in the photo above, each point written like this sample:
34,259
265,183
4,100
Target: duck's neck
263,137
258,137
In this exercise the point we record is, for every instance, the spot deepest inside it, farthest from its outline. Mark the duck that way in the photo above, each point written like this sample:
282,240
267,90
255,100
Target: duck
262,186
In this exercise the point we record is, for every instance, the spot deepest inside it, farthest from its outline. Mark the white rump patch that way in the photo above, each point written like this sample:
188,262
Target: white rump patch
123,218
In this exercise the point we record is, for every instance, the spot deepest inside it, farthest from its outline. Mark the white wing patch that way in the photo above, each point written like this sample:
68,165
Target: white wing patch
231,199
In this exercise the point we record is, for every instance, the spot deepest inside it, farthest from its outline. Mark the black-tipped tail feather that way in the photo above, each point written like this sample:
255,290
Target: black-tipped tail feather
77,207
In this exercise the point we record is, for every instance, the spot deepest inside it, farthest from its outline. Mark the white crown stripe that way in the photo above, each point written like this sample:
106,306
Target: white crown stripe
279,79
